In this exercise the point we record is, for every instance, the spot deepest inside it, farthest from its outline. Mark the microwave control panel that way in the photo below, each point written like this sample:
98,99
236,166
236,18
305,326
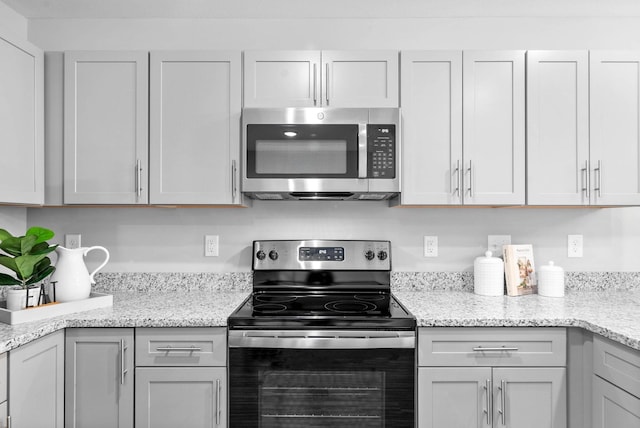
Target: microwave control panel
381,151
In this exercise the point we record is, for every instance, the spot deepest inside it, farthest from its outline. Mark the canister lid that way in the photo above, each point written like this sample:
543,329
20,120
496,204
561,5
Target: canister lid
487,259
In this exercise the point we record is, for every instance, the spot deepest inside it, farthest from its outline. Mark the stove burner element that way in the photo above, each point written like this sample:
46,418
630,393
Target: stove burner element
350,306
370,298
269,308
272,298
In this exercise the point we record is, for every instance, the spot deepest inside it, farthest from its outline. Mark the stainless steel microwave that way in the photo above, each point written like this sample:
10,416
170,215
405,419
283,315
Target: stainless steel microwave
320,153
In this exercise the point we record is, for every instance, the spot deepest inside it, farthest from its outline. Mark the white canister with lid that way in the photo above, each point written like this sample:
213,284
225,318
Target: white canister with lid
551,280
488,275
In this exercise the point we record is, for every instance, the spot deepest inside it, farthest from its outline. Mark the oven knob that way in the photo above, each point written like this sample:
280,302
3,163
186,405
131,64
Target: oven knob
369,255
273,255
261,255
382,255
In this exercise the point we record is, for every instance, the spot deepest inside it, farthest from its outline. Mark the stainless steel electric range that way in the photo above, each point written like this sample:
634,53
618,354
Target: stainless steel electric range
321,341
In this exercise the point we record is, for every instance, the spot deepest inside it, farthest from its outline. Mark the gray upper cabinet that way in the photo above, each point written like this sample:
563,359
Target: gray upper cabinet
21,122
431,127
195,101
463,146
494,127
99,377
106,128
327,78
615,120
36,383
558,128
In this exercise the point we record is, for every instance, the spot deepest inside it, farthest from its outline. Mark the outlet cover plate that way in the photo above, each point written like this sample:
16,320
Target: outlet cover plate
495,243
72,240
431,246
211,247
574,245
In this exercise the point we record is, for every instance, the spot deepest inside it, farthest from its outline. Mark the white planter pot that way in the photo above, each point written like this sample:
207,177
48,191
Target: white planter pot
16,299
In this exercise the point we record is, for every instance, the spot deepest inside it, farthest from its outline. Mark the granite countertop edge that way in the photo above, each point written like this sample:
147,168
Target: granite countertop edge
431,309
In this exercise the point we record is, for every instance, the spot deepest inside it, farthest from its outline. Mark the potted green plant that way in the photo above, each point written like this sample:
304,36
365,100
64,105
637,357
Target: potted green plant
26,256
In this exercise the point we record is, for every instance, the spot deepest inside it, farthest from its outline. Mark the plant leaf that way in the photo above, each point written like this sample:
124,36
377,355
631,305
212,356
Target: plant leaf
4,235
42,248
9,262
27,243
40,233
25,264
8,280
39,276
12,245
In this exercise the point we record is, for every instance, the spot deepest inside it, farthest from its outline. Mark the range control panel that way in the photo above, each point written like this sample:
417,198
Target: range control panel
321,254
381,151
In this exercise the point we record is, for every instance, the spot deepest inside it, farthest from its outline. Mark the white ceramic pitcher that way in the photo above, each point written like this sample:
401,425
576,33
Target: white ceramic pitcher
73,279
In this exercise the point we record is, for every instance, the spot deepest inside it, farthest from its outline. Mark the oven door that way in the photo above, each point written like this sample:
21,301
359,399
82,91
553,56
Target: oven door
321,379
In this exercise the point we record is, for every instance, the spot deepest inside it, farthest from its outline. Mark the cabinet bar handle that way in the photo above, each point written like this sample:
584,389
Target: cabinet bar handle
138,179
315,84
585,179
489,388
169,349
326,89
470,188
503,401
456,172
599,179
9,421
218,397
494,349
123,370
234,170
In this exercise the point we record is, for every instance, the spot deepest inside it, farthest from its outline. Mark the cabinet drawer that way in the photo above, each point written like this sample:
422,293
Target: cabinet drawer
181,346
617,363
509,346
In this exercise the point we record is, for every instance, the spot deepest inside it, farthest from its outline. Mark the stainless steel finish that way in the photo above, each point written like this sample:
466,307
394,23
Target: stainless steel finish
123,370
321,339
503,401
234,184
138,179
494,349
585,179
9,421
315,84
170,349
362,150
456,172
218,403
470,188
354,258
488,387
598,179
326,89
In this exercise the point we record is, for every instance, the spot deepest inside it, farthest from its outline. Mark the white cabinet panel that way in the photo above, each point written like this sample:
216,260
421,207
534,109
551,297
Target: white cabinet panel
194,127
557,127
21,122
615,127
106,128
494,131
432,127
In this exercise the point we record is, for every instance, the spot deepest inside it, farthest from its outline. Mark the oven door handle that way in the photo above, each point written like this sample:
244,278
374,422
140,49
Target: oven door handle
313,339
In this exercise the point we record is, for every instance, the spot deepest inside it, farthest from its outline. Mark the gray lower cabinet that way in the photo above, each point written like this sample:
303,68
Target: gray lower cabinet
181,396
613,407
36,383
99,377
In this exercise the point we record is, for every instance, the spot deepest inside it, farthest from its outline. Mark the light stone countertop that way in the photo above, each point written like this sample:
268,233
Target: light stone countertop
613,314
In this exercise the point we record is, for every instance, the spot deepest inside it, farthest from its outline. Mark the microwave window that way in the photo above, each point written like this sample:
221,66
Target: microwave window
301,157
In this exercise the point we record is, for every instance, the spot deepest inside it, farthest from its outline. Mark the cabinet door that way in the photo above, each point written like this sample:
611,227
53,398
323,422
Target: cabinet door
614,407
99,378
530,397
454,397
431,128
360,79
106,128
494,131
193,397
557,127
36,383
194,127
281,78
21,123
615,125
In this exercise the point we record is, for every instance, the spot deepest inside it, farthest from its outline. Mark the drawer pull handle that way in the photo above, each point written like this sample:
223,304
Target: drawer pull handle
502,348
169,349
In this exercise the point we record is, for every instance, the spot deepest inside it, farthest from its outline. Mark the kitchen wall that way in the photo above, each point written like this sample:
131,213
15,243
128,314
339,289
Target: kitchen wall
12,25
163,239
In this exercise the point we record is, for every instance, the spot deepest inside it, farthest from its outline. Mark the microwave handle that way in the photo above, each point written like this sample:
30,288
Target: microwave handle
362,150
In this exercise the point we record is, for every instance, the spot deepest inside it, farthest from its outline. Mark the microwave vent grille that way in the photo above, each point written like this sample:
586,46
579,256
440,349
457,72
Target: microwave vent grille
372,196
269,196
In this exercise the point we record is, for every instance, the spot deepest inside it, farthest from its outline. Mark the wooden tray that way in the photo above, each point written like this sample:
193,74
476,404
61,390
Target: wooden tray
95,301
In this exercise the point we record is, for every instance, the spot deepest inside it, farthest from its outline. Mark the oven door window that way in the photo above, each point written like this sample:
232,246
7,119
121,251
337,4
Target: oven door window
321,388
302,151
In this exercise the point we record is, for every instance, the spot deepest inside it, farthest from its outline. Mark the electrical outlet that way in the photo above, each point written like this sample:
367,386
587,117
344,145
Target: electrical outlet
431,246
72,240
495,243
211,245
574,245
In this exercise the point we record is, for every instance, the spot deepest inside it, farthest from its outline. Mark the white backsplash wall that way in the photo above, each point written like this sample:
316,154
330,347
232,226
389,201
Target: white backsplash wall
172,240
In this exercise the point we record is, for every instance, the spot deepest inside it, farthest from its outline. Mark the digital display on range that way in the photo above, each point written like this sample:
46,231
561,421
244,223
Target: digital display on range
312,254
